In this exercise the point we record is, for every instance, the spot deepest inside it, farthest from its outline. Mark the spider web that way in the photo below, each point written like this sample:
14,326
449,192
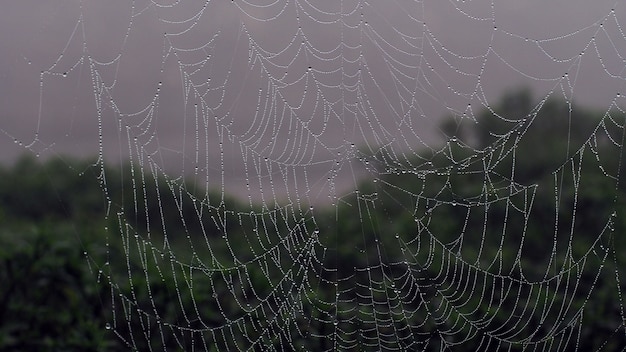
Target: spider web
287,183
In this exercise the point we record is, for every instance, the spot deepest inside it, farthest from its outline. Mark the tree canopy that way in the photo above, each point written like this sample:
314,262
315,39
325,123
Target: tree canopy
556,162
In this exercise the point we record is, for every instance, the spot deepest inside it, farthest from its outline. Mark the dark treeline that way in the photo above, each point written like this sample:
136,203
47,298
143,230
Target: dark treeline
434,253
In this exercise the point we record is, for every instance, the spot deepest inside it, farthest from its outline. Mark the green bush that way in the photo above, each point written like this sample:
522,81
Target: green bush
49,300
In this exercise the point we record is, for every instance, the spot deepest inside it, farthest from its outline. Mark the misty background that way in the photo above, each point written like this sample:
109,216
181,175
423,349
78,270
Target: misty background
471,151
272,100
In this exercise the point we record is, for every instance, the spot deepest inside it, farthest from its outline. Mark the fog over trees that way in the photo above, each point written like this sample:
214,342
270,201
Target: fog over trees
521,243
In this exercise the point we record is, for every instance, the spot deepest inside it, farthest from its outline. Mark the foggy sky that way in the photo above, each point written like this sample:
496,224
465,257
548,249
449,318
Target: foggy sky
223,89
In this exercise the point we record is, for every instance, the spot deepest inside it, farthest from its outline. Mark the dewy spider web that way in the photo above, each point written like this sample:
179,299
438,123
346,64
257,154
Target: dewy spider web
363,225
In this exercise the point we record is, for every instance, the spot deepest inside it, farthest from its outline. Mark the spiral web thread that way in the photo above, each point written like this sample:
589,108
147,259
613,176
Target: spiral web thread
359,224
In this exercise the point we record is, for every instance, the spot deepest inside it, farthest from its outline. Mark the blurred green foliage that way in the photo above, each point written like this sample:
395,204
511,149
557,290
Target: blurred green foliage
90,257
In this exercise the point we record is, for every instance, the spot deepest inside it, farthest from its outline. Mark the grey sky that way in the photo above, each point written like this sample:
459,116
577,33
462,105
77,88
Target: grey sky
102,66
